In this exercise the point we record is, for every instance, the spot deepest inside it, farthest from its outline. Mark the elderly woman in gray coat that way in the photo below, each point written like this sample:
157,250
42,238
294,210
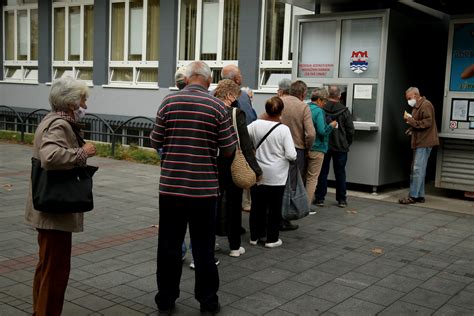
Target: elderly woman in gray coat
58,146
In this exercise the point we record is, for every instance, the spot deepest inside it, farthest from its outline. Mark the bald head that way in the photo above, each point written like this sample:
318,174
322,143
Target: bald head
232,72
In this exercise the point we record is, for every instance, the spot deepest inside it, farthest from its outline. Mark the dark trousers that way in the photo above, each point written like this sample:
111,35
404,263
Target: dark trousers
300,165
265,214
52,272
339,160
233,206
175,214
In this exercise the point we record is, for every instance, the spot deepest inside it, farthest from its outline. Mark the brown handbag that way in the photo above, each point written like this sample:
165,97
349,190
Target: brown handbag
242,174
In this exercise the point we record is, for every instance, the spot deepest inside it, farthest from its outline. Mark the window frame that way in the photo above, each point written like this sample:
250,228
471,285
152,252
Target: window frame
217,64
74,65
286,63
136,66
25,66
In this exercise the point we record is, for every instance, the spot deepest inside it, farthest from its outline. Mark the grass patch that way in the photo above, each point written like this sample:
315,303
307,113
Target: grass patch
129,153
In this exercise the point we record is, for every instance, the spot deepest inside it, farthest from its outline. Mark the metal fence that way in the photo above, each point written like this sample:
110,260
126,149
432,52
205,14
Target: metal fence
134,130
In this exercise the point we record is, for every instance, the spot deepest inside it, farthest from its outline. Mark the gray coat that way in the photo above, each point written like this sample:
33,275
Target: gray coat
56,149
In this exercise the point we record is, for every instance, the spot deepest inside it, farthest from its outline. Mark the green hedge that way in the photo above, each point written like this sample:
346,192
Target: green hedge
129,153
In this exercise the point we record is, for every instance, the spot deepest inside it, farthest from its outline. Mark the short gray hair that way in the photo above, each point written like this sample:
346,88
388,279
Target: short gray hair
284,85
334,91
414,90
198,68
180,74
319,93
66,91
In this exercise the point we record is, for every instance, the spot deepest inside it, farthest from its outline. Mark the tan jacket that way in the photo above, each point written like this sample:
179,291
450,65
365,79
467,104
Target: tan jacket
423,125
56,148
297,116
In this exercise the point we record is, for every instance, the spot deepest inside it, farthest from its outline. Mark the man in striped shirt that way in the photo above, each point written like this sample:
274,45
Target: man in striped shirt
191,126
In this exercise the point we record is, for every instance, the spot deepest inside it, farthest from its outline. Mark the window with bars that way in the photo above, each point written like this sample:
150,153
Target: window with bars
209,31
134,42
73,39
20,33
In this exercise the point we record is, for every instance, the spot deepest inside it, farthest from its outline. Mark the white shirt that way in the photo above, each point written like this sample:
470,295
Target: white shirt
275,153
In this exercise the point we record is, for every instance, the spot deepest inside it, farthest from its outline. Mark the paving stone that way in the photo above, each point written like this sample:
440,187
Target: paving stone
259,303
71,308
426,298
356,280
124,290
109,280
416,272
453,310
337,267
118,310
353,306
144,284
313,277
278,312
72,293
356,258
379,295
18,290
105,266
376,269
93,302
271,275
442,285
256,263
399,283
333,292
288,289
404,308
307,305
243,287
7,310
296,265
464,299
233,272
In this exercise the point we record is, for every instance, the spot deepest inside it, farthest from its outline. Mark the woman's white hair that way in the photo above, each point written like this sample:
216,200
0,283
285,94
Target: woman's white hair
66,92
415,90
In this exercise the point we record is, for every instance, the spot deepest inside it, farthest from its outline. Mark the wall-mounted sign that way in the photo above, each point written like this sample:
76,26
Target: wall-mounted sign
462,58
359,62
459,110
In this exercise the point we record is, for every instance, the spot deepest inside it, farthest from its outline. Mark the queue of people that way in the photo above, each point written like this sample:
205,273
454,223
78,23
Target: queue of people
196,136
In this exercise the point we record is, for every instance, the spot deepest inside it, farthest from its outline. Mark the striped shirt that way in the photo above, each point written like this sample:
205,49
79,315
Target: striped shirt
190,127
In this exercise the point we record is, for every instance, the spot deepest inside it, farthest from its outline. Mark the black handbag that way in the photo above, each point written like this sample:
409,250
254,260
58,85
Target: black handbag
62,191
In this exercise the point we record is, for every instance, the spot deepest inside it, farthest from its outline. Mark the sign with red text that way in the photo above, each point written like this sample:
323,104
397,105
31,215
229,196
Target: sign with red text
315,70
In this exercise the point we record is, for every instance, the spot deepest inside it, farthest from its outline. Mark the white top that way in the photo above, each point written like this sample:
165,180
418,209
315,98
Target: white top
274,153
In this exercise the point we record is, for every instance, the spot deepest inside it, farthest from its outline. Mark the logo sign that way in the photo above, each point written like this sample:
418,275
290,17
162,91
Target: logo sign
359,62
453,124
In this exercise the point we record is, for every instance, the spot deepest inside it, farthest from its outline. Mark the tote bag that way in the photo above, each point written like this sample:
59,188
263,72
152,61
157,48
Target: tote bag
295,202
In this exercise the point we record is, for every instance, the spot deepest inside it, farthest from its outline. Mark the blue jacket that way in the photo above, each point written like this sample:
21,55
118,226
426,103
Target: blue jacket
322,128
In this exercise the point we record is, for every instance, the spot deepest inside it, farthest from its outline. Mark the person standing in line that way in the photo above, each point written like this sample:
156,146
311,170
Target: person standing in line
424,136
58,147
339,142
297,116
275,149
230,199
191,127
233,73
320,146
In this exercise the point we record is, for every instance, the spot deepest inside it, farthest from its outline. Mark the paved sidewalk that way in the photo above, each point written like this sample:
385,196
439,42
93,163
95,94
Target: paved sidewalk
374,257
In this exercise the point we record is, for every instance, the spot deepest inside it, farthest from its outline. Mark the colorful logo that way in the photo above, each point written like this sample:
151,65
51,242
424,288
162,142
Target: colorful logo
359,62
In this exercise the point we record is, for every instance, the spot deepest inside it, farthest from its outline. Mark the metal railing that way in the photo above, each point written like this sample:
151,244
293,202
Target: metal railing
109,133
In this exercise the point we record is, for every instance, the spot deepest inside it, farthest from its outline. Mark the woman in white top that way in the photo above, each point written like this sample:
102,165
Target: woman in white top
274,154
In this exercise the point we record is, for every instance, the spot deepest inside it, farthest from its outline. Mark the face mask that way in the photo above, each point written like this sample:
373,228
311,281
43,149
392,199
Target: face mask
79,113
412,102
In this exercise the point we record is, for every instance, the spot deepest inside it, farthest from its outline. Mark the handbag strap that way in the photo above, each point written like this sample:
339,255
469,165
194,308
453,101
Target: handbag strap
266,135
234,122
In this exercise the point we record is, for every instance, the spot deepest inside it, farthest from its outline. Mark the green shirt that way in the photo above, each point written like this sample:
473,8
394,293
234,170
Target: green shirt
322,128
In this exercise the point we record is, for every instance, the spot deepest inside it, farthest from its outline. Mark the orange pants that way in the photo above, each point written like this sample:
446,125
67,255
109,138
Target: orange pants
52,272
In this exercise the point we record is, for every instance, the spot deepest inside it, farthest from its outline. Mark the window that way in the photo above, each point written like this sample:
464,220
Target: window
134,42
209,30
20,41
277,43
73,39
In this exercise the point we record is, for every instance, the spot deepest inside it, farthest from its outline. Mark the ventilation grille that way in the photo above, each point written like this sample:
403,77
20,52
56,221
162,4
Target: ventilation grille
456,165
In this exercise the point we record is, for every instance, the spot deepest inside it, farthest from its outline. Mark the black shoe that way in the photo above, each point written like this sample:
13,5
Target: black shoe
210,310
288,226
342,204
166,311
319,203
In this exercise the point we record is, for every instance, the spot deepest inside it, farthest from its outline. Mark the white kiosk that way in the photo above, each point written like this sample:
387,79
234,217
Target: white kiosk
455,165
374,56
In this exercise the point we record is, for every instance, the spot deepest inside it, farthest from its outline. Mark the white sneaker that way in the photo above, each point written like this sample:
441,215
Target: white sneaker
253,242
277,243
237,253
312,212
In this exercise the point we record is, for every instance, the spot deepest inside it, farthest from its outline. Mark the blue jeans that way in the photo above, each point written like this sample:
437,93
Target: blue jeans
418,171
339,160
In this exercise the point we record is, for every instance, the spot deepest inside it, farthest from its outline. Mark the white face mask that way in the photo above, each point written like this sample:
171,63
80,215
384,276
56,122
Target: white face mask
412,102
79,113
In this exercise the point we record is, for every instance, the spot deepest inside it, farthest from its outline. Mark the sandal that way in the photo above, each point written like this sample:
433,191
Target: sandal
407,200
